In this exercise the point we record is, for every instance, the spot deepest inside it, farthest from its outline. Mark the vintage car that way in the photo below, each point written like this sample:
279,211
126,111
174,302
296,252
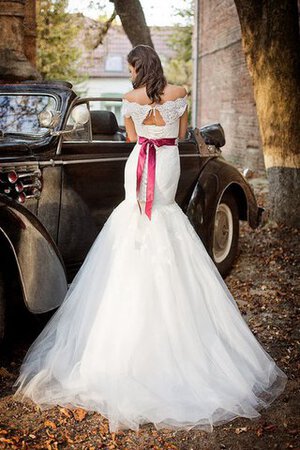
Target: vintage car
62,160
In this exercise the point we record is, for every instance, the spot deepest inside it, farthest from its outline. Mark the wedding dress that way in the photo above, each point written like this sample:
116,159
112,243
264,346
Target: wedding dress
148,330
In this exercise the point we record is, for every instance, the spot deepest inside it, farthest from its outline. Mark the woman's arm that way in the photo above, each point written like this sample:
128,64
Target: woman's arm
130,129
131,135
183,123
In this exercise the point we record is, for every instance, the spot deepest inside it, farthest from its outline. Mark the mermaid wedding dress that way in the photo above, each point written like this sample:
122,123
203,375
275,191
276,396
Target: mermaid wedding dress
148,330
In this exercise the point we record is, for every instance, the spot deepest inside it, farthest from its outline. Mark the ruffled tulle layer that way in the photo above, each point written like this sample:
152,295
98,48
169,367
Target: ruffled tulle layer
149,332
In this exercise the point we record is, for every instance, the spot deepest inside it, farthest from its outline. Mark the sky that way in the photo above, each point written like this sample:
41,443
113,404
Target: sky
157,12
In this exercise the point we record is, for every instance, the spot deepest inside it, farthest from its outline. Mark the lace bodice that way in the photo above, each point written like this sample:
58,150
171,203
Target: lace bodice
170,110
167,156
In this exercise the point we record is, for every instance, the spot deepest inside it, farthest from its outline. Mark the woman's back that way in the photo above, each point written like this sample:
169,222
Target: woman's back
156,119
171,92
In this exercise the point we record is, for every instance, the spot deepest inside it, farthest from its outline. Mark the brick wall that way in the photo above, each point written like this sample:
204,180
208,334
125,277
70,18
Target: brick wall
225,92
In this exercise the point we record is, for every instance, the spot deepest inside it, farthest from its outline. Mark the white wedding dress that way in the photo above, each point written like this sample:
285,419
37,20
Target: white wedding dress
148,330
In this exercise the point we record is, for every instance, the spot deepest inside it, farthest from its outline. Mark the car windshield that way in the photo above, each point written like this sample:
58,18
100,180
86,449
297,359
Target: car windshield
19,113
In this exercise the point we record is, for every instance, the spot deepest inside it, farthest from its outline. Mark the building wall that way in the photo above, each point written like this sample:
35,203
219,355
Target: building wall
225,92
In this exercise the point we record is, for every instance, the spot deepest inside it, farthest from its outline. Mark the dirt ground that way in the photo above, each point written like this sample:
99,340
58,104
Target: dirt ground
263,280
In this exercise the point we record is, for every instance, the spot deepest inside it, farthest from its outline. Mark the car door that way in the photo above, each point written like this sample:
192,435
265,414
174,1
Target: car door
190,167
92,186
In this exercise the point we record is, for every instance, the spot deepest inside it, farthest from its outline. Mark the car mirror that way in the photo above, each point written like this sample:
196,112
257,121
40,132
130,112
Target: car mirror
80,115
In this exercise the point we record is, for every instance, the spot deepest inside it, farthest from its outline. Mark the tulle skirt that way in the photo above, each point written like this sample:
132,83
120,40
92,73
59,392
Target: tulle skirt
149,332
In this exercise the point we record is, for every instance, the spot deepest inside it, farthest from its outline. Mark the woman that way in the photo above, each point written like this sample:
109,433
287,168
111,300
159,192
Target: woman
148,331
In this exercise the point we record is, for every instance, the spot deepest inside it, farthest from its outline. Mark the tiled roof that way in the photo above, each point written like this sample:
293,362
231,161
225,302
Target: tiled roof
109,58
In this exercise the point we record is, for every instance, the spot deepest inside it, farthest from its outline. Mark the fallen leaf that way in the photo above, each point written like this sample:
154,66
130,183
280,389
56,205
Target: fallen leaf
270,427
241,430
6,441
66,412
69,439
49,423
259,431
49,434
4,373
79,414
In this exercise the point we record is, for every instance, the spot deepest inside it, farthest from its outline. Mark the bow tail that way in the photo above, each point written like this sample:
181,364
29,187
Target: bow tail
139,172
151,180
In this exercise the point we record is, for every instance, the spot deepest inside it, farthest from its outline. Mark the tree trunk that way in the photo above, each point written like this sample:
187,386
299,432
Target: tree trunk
30,31
271,42
133,21
14,66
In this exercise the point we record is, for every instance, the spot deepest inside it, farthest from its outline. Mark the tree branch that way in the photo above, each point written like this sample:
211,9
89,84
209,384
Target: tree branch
133,21
104,30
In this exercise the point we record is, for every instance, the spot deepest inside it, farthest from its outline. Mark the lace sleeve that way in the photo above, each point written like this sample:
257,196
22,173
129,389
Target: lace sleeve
171,110
126,109
182,105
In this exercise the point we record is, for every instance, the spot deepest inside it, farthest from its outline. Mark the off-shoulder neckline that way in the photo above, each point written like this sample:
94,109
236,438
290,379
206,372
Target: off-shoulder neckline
156,104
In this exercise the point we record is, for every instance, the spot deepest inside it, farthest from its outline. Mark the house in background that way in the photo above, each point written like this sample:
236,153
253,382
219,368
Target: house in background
106,66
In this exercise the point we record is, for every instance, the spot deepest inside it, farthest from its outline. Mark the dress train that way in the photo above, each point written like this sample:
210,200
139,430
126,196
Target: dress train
149,332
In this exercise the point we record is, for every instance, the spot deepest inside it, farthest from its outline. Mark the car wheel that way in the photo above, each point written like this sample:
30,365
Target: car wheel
225,233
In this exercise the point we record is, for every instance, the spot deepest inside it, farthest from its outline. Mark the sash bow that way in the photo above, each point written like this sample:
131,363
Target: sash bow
150,144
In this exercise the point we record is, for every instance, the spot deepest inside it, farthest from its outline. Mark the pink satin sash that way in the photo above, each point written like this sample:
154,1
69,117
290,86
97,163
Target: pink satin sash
152,143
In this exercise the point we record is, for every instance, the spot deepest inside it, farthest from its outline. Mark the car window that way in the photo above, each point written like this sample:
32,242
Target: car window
103,125
19,113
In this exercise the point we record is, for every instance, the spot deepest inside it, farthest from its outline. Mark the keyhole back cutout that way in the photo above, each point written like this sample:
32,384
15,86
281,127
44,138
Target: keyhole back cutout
154,117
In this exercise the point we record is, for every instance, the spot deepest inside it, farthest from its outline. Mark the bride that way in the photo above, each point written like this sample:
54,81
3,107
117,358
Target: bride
148,331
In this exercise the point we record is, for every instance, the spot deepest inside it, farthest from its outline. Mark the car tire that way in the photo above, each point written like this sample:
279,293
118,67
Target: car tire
225,233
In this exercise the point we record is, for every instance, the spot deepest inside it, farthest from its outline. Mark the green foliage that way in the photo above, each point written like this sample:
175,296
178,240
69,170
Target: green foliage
57,53
179,68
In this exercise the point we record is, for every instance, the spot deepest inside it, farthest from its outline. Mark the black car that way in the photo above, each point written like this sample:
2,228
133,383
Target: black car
62,162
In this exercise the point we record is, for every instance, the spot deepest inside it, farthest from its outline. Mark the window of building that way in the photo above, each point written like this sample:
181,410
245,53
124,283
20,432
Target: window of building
114,63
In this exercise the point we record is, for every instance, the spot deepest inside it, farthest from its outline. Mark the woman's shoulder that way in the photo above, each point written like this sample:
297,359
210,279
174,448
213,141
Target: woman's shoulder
174,91
171,92
128,95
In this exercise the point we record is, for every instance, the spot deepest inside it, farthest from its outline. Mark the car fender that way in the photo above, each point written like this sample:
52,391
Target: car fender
217,177
40,266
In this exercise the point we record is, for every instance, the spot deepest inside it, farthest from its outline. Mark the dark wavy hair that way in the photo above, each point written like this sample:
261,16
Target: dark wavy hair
149,71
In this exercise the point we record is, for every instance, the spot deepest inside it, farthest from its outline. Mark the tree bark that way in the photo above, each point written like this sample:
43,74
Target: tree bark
271,43
14,65
30,31
133,21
